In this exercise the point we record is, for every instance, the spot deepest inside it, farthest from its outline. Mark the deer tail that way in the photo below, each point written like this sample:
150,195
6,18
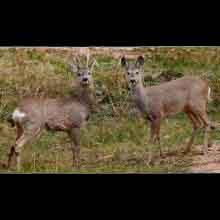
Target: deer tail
209,95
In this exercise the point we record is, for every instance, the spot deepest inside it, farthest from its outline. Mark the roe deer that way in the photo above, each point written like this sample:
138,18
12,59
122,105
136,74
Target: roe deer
188,94
61,114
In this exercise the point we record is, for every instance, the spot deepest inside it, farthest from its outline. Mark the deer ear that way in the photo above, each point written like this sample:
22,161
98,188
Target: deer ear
140,61
124,62
73,68
92,64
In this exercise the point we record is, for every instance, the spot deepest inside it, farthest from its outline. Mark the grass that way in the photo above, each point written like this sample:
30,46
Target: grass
114,141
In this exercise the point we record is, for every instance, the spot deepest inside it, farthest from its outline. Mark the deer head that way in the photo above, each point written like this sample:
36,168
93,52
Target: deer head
133,71
83,72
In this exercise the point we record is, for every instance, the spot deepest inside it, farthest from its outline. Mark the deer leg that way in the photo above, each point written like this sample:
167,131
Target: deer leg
204,124
196,124
26,136
155,133
195,120
18,147
12,150
158,136
10,156
152,133
74,135
207,125
19,131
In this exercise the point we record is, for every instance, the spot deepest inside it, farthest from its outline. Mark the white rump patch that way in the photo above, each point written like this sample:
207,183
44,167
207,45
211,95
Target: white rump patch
18,115
209,94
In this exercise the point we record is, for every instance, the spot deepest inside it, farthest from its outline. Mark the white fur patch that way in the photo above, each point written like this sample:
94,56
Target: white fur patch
18,115
209,94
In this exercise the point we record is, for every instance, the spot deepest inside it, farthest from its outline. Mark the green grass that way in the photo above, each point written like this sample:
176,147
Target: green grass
115,139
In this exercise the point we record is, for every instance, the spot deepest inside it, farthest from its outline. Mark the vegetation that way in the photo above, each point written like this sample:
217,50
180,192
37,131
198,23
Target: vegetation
115,140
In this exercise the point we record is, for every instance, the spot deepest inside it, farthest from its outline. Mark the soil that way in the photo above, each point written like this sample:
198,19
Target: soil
209,163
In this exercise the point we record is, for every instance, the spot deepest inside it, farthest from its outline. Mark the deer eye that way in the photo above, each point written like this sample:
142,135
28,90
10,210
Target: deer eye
128,73
79,74
137,73
89,73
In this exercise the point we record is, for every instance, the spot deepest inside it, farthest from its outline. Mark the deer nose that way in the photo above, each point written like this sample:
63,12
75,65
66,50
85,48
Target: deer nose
85,79
132,81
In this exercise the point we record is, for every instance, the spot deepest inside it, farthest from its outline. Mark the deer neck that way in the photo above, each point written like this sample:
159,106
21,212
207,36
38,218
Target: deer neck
139,97
87,97
138,91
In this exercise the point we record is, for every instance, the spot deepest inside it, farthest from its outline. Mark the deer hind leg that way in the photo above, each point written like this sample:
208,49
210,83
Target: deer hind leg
12,150
74,135
23,136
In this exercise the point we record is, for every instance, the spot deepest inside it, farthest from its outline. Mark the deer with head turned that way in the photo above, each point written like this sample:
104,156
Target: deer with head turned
61,114
188,94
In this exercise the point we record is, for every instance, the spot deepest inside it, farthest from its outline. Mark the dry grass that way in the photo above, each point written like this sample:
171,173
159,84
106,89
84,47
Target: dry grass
115,138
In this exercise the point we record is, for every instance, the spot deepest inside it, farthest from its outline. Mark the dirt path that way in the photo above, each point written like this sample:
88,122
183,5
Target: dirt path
209,163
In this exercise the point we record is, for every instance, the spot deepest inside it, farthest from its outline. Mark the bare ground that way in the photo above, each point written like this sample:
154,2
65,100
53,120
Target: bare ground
209,163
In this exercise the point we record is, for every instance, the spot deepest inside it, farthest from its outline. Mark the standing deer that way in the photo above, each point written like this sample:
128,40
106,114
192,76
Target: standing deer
188,94
61,114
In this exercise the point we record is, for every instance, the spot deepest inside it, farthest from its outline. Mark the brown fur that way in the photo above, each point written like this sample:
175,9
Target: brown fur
63,114
188,94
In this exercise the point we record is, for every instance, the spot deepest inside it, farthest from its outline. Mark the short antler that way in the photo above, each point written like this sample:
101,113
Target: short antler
87,59
77,61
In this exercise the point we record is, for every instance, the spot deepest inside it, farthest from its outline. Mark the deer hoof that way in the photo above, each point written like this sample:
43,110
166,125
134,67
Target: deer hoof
206,152
186,151
76,165
162,155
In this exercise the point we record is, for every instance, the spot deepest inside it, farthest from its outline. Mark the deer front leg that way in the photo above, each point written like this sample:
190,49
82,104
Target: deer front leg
152,133
191,141
74,135
196,124
207,126
155,133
